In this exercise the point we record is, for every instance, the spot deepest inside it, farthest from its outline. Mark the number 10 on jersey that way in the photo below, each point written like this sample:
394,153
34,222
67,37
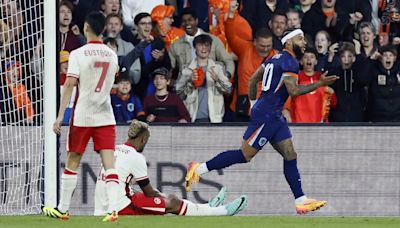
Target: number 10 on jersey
267,77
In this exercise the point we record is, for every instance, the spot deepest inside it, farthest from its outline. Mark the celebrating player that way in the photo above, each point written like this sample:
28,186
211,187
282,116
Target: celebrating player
132,168
279,80
93,67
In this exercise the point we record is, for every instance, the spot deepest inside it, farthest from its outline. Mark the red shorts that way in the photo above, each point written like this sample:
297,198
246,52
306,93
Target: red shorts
103,138
143,205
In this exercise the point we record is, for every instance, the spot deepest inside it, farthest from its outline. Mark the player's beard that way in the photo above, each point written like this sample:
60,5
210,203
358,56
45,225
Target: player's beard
298,51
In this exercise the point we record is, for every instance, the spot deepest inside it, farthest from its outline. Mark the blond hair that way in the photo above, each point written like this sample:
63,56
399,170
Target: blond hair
136,128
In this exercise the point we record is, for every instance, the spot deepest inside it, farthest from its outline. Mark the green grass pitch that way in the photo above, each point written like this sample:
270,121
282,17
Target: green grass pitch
203,222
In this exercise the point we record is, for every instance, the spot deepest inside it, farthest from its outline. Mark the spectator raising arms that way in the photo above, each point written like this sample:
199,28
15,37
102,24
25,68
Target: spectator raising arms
19,107
250,54
152,57
131,8
349,89
218,13
70,35
383,79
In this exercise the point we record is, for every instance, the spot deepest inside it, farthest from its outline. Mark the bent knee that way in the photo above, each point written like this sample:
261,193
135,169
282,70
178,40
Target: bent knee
290,156
173,203
248,157
248,151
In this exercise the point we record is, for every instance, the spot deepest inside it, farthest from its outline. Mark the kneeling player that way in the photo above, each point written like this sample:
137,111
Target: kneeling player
131,167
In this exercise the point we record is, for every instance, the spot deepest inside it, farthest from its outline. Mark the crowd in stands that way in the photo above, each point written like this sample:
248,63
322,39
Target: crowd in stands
197,67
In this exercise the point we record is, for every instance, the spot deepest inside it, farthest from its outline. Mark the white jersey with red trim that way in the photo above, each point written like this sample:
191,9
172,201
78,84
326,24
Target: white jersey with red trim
131,167
95,65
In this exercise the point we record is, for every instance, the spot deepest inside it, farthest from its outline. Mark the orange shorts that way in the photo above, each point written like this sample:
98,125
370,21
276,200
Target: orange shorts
143,205
103,138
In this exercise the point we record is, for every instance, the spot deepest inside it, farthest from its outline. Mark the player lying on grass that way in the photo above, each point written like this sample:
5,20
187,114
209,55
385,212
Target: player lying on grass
131,167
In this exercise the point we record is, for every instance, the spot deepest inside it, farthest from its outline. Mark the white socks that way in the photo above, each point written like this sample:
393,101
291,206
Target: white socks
202,169
191,209
112,185
69,179
300,200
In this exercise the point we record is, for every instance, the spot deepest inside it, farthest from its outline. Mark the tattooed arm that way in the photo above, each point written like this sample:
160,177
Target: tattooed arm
255,78
295,89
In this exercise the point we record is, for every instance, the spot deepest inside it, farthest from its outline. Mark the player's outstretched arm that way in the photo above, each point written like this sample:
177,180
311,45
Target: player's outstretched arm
294,89
68,87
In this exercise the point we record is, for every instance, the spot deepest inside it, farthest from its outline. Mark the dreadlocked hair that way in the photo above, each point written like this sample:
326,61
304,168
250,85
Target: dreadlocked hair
136,128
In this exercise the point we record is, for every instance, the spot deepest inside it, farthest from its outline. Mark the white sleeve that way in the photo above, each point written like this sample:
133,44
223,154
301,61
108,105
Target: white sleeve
73,66
139,169
117,65
130,8
127,14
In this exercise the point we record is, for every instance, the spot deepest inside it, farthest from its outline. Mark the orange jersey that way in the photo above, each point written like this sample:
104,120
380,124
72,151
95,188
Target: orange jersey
310,107
216,21
249,59
22,100
173,35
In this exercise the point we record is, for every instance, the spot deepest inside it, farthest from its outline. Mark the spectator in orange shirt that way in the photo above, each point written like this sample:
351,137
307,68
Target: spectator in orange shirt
218,10
162,16
250,54
312,107
219,13
21,107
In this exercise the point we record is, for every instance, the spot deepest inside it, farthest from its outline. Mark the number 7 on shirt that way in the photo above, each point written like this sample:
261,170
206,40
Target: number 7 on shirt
104,68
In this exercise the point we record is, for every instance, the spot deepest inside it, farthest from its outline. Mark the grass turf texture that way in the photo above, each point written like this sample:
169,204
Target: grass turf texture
208,222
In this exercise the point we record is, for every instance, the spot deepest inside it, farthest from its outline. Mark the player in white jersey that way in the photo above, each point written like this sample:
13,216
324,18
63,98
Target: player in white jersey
92,68
132,169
